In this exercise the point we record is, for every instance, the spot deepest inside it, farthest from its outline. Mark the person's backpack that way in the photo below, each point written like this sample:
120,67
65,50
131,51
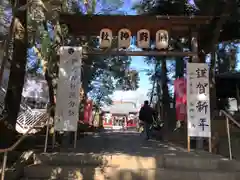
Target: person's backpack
145,114
141,114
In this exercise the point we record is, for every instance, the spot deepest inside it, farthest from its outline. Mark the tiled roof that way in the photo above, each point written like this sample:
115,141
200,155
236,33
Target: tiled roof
121,108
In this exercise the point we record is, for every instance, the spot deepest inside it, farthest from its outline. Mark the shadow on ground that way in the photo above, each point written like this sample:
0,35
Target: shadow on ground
117,156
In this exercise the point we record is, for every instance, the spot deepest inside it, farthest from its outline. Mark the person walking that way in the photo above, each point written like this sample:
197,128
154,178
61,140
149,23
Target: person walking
146,115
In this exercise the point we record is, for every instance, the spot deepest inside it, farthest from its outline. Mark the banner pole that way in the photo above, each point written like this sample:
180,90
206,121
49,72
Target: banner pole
75,140
188,143
53,139
46,136
210,144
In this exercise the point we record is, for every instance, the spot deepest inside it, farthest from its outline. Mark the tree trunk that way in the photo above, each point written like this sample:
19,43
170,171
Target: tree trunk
159,97
50,92
152,92
6,48
165,99
215,28
179,67
17,74
18,68
213,97
155,79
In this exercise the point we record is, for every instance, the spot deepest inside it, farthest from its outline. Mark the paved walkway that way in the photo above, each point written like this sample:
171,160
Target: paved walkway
130,150
127,142
129,154
123,142
123,155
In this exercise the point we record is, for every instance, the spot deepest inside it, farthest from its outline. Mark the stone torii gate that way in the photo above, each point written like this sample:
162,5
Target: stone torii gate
176,26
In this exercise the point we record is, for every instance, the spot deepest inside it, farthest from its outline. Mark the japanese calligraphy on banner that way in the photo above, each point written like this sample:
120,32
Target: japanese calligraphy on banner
198,104
67,101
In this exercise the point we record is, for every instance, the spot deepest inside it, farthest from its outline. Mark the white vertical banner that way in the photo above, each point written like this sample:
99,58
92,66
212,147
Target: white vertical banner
198,103
68,97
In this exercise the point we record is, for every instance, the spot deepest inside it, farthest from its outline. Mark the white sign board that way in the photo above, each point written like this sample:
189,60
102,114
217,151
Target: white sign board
198,104
68,97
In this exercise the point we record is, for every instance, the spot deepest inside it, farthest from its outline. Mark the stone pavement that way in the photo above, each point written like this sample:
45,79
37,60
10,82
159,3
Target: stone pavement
122,142
128,149
125,155
129,143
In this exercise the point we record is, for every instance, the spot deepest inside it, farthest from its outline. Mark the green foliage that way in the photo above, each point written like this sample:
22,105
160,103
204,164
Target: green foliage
103,87
159,7
100,75
101,72
45,44
4,19
226,53
226,58
109,6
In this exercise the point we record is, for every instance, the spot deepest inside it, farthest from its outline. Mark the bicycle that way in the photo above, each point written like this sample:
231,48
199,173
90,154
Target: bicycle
155,125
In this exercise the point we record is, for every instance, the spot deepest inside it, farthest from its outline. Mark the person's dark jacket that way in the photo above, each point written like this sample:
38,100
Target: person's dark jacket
146,114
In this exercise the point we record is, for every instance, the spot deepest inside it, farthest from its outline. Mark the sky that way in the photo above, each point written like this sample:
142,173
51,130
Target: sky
138,63
140,94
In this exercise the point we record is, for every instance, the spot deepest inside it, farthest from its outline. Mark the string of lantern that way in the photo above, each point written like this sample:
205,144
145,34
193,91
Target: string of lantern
143,42
124,38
